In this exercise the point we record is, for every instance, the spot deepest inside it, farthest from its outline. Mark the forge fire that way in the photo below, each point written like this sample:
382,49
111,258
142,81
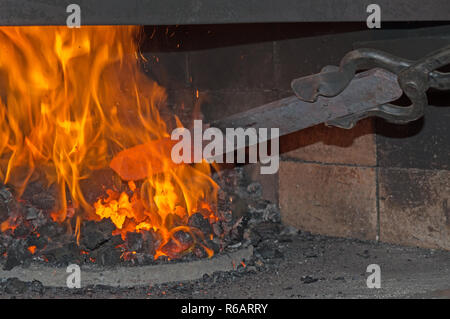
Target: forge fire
72,99
218,150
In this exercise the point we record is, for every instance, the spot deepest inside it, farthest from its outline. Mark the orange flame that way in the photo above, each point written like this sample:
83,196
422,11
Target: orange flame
32,249
70,99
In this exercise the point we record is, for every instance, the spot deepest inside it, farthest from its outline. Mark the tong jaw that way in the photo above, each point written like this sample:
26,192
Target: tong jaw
414,78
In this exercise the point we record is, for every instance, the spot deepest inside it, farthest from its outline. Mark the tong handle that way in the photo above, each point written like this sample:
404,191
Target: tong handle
414,77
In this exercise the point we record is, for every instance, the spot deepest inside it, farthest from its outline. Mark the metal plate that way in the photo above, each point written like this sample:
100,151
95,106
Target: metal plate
164,12
366,90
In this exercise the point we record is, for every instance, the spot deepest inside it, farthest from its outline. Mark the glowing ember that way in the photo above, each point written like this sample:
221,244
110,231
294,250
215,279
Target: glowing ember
73,98
7,224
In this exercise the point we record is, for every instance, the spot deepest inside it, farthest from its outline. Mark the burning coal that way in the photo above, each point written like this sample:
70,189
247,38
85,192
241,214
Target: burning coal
73,98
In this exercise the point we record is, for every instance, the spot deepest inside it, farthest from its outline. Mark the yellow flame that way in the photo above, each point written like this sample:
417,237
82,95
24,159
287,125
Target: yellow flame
72,98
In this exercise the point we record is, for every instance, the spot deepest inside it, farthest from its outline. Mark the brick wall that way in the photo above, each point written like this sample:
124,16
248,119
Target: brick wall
375,181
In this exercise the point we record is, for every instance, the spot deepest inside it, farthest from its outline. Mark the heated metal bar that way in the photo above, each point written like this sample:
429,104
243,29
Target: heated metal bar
163,12
367,90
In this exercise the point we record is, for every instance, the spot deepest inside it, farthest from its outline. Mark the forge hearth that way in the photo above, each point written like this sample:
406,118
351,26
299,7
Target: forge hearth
69,195
245,219
80,99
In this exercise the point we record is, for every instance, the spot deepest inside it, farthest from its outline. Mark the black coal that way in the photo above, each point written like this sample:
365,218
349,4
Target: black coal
244,219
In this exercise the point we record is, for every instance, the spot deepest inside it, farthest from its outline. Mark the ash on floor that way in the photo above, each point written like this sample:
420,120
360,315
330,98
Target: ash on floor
292,266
